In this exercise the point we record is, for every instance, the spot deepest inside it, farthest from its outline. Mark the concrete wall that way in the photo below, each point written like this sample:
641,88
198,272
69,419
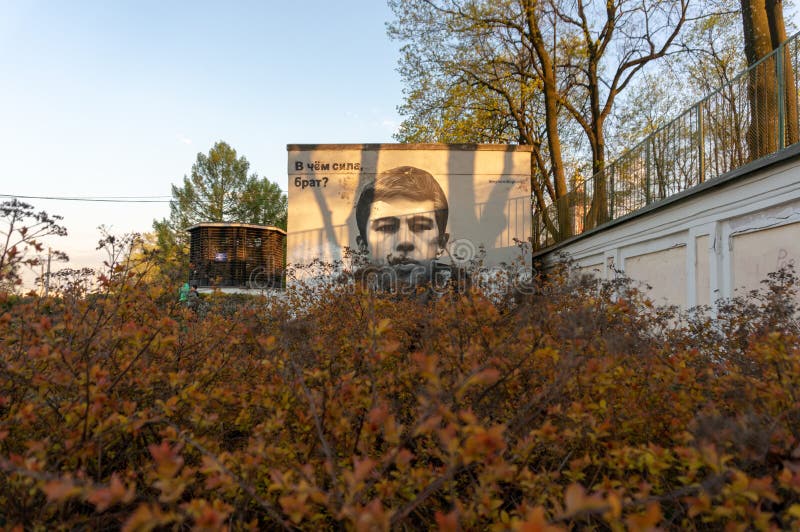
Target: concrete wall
714,241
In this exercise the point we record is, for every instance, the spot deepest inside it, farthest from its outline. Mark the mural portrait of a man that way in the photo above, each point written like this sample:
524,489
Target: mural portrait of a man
402,222
415,219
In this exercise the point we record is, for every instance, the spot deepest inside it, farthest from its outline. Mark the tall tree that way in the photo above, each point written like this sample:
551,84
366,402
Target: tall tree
219,189
262,202
536,69
473,75
640,32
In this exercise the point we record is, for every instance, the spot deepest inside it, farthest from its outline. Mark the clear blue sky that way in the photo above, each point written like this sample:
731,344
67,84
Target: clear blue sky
116,98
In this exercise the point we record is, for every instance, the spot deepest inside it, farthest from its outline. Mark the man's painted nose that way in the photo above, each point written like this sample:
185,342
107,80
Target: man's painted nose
405,247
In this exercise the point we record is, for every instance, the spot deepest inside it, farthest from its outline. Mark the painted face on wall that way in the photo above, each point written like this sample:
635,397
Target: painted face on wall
402,233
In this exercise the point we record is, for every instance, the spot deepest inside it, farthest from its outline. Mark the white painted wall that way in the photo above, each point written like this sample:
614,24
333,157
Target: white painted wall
661,273
709,243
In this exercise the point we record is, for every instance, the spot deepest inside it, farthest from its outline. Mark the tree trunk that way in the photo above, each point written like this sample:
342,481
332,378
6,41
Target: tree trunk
600,203
551,99
543,222
764,31
777,30
600,210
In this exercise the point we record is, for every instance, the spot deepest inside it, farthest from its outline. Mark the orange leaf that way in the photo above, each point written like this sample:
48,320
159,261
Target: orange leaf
60,490
103,498
646,521
168,462
576,500
447,522
146,517
536,521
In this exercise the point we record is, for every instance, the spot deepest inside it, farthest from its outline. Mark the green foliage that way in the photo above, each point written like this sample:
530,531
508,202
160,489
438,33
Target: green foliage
581,406
262,202
466,81
219,189
211,193
544,74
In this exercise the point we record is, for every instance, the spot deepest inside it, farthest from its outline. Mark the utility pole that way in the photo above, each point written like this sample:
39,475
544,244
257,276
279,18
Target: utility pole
47,275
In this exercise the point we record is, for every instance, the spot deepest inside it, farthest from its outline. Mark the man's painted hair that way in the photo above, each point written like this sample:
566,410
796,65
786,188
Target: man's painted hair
405,182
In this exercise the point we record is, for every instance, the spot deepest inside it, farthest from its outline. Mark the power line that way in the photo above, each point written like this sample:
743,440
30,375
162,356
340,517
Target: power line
106,199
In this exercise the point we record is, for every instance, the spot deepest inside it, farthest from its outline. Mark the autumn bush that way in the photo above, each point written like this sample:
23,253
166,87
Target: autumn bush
577,405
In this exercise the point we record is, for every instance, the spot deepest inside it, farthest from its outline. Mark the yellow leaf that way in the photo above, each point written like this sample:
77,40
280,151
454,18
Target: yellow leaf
794,511
383,326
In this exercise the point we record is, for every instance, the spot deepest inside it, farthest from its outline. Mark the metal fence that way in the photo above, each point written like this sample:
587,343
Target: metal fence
751,117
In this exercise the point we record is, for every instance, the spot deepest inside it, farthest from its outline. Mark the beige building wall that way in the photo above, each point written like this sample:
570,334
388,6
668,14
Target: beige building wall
664,271
593,266
758,253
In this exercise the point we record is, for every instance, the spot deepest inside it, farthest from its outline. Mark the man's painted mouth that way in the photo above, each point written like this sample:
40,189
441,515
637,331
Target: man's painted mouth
402,261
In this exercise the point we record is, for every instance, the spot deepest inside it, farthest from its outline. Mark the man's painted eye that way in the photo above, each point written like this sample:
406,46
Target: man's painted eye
386,225
419,224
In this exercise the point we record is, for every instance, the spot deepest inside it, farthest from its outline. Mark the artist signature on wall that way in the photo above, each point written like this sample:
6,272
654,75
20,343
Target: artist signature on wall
784,259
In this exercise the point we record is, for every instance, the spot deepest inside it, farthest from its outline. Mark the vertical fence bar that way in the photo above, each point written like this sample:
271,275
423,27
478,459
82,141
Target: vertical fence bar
647,197
585,211
610,195
701,152
781,96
